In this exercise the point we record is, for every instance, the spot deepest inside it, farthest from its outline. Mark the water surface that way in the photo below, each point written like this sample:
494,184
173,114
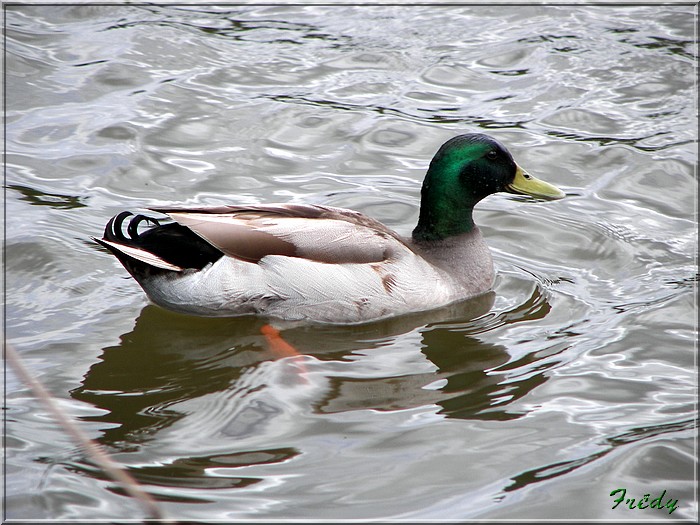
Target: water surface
575,377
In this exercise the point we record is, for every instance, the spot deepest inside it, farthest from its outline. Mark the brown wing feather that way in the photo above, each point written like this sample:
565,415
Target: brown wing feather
319,233
306,211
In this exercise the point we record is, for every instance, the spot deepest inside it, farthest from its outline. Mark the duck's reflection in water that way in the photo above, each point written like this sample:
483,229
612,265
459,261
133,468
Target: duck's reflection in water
169,359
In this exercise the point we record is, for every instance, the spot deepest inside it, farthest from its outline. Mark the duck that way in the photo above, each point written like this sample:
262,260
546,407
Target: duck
323,264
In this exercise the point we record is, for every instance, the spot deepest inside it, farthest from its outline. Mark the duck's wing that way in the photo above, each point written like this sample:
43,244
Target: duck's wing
318,233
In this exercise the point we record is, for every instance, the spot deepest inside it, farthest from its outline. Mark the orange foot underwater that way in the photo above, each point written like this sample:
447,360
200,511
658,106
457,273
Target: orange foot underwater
281,348
278,345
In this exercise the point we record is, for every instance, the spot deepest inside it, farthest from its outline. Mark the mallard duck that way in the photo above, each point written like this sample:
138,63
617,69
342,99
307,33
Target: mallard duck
321,263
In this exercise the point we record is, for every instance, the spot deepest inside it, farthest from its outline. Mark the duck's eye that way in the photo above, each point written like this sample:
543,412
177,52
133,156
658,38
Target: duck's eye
491,155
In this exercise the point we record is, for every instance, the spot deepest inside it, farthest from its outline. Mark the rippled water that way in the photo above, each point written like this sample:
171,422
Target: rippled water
576,377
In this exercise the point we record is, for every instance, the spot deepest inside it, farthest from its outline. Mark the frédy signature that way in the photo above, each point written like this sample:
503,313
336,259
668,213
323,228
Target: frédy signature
643,502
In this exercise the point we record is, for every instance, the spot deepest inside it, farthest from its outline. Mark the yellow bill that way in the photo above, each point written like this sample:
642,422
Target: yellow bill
526,184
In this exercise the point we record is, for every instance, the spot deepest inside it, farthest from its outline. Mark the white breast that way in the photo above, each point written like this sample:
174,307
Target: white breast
296,288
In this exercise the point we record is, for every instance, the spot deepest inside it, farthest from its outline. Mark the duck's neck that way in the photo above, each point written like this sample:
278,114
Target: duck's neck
443,215
465,257
436,227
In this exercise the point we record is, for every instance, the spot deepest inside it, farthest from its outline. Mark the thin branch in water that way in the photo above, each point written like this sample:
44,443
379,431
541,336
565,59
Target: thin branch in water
96,453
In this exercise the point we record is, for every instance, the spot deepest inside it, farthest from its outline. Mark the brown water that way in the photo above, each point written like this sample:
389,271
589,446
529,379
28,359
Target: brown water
576,377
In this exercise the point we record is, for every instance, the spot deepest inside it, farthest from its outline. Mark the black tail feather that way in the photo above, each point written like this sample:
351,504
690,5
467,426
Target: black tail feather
171,242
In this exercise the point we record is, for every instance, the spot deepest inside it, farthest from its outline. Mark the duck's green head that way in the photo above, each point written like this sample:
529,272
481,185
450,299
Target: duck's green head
466,169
